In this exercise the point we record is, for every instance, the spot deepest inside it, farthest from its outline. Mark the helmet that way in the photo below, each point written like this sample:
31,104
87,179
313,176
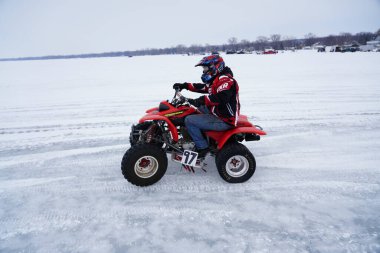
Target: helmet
212,66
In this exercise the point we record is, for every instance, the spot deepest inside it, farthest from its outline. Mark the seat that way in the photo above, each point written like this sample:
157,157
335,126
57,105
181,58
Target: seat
242,122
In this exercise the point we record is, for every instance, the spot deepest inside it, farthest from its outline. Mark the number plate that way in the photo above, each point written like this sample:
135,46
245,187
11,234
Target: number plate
189,158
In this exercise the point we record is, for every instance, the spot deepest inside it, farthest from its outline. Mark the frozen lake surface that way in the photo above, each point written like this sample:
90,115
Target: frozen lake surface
64,127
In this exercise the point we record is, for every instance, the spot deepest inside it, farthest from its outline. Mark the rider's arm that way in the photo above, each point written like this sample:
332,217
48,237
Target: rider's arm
197,87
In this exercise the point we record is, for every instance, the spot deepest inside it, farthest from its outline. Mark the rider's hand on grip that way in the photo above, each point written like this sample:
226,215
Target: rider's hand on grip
197,102
180,86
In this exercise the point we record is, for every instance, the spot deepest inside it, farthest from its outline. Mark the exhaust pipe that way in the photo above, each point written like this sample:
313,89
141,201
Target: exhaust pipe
252,137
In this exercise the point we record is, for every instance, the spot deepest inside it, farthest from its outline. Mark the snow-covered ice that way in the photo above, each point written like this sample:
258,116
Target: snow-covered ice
64,127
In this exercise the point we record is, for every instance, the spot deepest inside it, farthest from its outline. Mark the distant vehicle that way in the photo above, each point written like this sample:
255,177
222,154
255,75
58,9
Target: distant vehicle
241,52
367,48
321,49
336,49
293,49
230,52
270,51
349,49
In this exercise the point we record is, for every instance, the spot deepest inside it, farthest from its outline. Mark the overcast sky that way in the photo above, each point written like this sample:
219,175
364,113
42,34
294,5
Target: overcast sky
46,27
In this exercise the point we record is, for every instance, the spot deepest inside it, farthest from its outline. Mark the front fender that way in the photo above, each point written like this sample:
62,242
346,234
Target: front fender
152,110
172,128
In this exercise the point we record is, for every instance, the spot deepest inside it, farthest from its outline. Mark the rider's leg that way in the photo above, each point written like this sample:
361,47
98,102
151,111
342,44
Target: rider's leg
204,109
198,122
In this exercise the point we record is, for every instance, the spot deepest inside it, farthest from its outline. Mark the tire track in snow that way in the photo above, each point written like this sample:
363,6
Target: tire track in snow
50,128
131,216
59,154
20,183
70,144
190,184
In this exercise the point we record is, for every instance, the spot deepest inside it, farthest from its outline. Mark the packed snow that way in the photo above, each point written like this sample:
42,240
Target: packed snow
64,127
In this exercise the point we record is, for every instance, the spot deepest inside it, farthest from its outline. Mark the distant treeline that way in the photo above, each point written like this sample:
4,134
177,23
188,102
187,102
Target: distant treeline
275,41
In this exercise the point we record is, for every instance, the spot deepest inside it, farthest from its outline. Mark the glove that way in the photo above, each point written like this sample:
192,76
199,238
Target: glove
180,86
197,102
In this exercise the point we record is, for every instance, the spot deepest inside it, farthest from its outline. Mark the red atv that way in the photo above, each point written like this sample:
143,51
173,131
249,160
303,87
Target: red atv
162,130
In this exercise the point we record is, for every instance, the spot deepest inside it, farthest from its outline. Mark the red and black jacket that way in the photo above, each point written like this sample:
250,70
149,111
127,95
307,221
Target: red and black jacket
223,98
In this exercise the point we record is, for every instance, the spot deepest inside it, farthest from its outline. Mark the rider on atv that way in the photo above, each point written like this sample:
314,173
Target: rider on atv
220,108
175,127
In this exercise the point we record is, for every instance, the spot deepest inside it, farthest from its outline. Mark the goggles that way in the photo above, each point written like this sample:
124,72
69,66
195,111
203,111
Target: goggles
205,69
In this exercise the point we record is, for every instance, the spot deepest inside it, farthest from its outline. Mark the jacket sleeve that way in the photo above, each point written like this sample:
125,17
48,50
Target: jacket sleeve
223,92
197,87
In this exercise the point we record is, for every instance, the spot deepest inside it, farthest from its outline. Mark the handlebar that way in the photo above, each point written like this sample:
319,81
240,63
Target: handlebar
178,98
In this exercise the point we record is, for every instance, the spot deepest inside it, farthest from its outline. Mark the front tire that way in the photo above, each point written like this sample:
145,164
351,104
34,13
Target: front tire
144,164
235,163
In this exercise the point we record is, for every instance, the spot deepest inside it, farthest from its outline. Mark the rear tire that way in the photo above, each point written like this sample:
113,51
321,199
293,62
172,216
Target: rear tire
144,164
235,163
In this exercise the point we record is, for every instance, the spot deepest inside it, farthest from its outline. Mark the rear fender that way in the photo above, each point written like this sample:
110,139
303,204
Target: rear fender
172,128
222,137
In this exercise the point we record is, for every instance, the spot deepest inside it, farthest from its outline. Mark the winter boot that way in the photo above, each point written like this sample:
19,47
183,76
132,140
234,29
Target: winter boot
202,152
